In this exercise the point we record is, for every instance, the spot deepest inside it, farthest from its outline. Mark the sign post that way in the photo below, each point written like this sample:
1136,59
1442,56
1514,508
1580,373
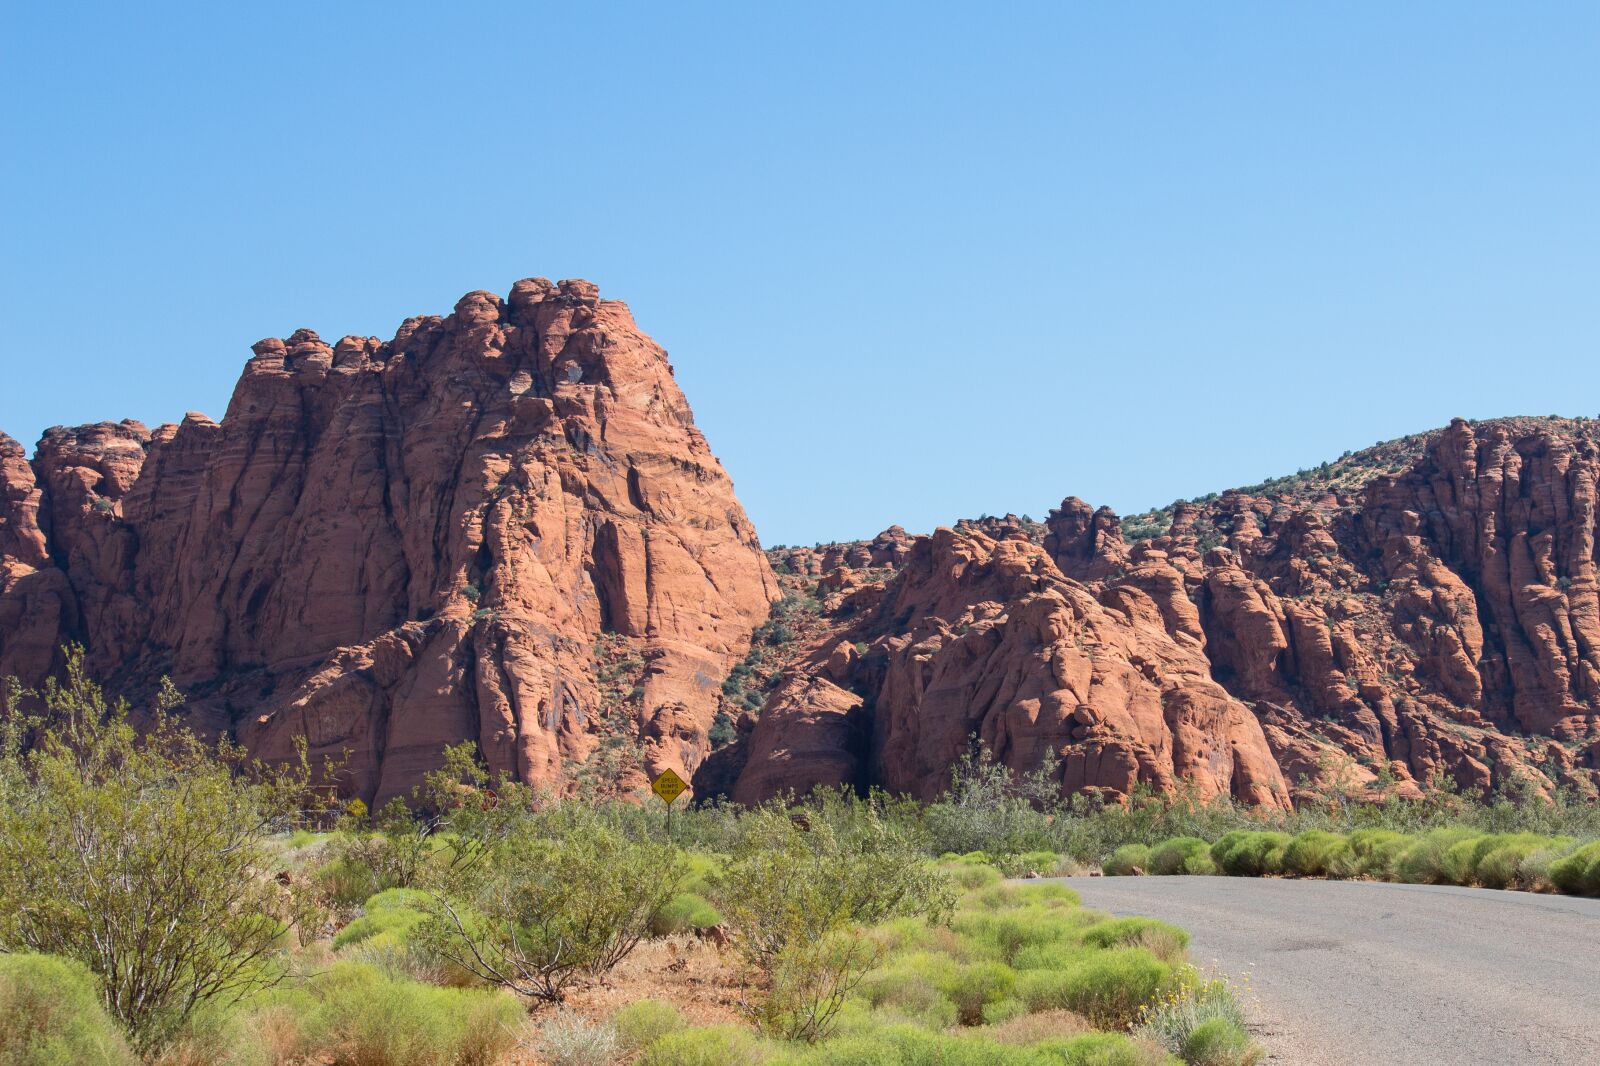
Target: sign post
669,786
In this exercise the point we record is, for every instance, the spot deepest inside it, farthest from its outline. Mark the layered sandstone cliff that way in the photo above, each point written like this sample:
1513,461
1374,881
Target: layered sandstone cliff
1420,613
387,547
503,526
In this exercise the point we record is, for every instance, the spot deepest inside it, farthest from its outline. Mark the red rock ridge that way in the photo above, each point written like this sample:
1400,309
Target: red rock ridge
1442,620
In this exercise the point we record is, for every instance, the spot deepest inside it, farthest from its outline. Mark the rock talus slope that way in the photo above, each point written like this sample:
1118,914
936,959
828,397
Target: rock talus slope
391,546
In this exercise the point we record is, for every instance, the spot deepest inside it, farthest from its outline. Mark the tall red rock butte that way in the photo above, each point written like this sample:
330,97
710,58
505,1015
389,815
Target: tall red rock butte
502,526
478,530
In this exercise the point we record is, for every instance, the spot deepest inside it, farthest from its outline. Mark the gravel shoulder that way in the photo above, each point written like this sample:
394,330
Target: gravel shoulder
1351,973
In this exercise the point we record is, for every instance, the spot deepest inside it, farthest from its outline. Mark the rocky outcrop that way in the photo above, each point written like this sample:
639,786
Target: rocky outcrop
1424,611
986,638
503,526
387,547
888,550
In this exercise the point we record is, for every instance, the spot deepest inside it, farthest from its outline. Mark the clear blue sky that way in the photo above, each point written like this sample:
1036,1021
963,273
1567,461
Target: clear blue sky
913,262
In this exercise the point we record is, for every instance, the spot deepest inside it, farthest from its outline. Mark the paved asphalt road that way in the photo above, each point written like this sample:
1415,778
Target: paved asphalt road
1352,973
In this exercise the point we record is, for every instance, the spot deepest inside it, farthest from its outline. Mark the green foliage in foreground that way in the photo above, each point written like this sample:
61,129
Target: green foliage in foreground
798,891
136,854
165,895
51,1015
548,911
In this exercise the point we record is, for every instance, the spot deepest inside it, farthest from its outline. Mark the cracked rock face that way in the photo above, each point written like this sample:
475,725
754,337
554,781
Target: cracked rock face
391,546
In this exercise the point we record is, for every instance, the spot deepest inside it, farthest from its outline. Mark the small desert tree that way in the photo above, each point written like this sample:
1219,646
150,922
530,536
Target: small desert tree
797,892
137,853
540,911
437,835
990,807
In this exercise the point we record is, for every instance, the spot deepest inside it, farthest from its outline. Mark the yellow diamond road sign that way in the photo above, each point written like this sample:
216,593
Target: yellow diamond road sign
669,786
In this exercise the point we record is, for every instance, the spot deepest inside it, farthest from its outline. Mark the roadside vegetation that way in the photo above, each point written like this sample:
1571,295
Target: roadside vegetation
168,901
1533,843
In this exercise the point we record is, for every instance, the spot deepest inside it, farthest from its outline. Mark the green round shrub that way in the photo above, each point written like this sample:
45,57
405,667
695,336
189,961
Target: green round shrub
1100,1049
391,898
1502,865
684,913
972,876
1121,932
1315,853
1578,872
1181,855
1108,987
975,986
1423,861
643,1022
1049,893
396,921
715,1045
1128,860
51,1015
1249,853
1459,862
370,1016
1219,1042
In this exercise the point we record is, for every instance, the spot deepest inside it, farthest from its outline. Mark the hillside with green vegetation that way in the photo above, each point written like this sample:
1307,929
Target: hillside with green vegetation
1343,479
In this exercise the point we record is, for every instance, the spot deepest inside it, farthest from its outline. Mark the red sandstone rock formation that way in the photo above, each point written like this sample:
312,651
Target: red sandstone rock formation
503,526
987,638
1390,619
390,547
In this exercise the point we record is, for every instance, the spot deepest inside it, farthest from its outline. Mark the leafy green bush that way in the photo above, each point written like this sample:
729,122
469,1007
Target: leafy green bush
717,1045
990,807
1250,853
357,1015
643,1022
685,912
108,833
1124,932
1219,1042
1578,873
1107,987
51,1015
550,910
1315,853
797,895
1181,855
1128,860
976,986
